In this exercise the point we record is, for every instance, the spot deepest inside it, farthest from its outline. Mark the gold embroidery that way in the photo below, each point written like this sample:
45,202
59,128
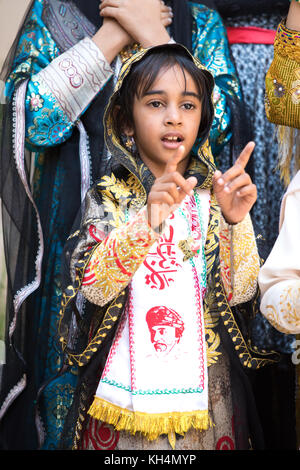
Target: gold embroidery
287,43
115,198
186,246
245,261
295,90
117,187
283,85
211,337
118,193
128,51
116,259
288,311
211,314
225,259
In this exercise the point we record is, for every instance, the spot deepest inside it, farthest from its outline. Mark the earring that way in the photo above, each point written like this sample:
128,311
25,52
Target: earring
129,142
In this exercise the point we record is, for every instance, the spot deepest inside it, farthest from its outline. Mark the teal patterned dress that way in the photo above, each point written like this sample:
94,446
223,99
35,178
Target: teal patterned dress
48,126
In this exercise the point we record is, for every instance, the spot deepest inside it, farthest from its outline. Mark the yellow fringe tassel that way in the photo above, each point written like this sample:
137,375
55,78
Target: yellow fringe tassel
151,425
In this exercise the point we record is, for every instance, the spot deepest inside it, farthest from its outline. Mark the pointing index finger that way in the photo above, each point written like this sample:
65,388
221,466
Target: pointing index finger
244,156
172,163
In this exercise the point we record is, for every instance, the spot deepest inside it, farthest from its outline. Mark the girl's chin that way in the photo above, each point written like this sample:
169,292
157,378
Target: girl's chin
157,165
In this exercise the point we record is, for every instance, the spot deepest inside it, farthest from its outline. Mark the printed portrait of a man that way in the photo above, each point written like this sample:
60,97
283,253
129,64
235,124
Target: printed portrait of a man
166,328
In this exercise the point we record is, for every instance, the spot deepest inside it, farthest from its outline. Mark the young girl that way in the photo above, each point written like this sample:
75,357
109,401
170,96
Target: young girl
156,269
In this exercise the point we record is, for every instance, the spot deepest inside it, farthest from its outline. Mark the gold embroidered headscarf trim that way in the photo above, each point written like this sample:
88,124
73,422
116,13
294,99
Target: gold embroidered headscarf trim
205,162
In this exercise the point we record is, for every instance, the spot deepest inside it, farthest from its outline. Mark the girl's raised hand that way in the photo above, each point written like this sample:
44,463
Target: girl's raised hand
144,23
234,189
168,191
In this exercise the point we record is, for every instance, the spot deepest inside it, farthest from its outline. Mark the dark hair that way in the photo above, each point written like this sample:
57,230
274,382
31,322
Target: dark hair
144,73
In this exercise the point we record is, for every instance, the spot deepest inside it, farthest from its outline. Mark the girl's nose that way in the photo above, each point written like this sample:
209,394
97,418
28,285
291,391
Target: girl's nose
173,116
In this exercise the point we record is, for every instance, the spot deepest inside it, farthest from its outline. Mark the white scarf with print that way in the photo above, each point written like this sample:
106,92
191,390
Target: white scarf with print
155,378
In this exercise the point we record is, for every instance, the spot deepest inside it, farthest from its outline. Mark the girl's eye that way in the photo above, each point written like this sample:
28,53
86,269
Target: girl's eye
155,104
189,106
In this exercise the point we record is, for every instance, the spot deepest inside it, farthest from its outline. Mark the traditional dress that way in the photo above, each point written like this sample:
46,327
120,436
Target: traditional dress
279,277
282,108
251,28
156,338
57,85
283,98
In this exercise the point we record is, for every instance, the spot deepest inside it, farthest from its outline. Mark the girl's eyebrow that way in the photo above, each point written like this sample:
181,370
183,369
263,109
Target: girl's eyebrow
154,92
191,93
162,92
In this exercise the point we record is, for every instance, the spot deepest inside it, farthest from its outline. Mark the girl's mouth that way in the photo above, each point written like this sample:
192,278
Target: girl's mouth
172,140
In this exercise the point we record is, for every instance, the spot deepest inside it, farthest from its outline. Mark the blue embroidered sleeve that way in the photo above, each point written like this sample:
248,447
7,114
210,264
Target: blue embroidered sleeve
210,45
46,123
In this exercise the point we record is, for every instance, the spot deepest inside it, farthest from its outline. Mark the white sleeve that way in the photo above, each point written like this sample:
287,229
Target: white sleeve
279,277
75,77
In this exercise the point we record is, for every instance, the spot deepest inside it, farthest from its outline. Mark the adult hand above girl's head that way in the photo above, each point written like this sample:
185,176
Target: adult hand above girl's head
118,30
145,22
234,189
111,38
166,14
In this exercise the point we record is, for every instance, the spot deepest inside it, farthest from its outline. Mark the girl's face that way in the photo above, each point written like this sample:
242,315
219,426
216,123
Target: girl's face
167,116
